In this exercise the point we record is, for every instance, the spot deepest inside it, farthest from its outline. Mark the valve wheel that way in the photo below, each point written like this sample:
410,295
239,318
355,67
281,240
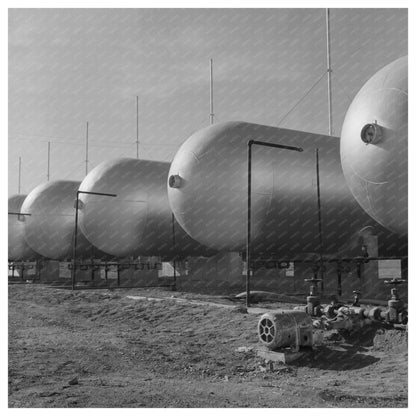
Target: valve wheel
266,330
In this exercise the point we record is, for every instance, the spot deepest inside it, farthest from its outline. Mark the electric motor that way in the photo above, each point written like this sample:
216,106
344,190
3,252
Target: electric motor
285,328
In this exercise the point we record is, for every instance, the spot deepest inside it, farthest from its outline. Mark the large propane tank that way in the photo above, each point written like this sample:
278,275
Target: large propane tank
374,146
285,328
18,249
138,221
49,230
207,190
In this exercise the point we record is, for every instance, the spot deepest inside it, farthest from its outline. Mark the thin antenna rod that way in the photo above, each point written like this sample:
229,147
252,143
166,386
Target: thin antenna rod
329,72
86,152
137,127
49,161
211,92
20,174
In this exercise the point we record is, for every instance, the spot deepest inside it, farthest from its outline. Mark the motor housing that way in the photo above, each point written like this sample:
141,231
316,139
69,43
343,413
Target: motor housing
285,328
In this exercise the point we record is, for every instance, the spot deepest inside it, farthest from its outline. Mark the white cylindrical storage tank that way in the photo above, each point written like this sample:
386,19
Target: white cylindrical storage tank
49,230
138,221
374,146
18,249
207,190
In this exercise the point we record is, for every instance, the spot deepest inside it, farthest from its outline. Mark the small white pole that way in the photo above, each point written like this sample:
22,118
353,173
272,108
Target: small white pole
49,160
86,152
329,74
211,92
137,127
20,174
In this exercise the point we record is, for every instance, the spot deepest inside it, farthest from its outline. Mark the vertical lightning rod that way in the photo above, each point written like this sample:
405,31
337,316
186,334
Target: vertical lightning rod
329,73
49,161
20,174
86,152
211,92
137,127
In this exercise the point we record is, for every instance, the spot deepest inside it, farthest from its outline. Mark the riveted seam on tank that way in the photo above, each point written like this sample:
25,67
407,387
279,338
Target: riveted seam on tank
194,155
368,199
366,180
391,89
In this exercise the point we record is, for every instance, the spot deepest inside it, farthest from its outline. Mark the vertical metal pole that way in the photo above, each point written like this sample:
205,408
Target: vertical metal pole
211,92
329,73
404,268
74,248
20,174
174,254
339,280
118,275
86,152
250,272
37,271
12,270
318,192
137,127
358,265
248,246
174,275
49,160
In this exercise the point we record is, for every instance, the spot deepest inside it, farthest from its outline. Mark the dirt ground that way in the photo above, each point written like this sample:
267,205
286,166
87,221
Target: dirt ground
99,348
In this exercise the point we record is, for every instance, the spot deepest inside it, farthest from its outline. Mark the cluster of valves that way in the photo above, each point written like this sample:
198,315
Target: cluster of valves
339,316
297,327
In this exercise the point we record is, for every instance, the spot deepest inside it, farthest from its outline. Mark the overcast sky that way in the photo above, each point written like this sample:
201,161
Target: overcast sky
70,66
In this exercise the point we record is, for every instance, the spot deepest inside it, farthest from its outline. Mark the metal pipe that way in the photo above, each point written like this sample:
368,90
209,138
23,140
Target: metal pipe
20,174
174,259
211,92
248,243
339,275
74,248
96,193
335,260
137,127
106,273
49,161
248,259
329,73
318,194
359,270
86,152
38,269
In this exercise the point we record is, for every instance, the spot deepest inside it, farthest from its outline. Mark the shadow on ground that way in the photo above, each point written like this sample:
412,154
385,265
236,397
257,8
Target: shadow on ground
340,359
